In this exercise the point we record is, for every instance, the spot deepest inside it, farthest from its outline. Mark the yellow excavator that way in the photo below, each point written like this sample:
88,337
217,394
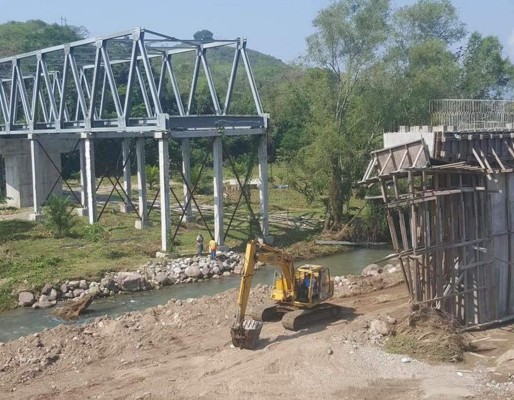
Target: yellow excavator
299,295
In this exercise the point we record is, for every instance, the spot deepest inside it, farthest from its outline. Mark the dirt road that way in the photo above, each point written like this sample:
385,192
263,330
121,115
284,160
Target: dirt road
183,351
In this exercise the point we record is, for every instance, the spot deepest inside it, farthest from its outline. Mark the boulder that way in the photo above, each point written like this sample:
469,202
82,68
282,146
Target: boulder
64,288
131,282
380,327
72,309
41,305
78,292
238,269
46,289
43,298
108,283
73,284
52,295
226,273
83,284
193,271
26,299
371,270
162,278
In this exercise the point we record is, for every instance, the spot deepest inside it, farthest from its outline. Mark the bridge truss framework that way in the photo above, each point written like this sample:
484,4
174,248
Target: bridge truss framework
123,86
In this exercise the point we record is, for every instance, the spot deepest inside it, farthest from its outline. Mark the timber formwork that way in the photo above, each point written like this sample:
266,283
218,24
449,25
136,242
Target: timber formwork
449,211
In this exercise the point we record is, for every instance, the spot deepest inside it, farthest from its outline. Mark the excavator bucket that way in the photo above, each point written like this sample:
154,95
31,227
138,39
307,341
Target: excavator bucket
246,334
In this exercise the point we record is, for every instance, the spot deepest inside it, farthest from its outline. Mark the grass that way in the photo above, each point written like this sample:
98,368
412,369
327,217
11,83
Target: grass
30,256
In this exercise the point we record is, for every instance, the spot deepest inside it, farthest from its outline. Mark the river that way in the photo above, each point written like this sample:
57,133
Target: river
23,321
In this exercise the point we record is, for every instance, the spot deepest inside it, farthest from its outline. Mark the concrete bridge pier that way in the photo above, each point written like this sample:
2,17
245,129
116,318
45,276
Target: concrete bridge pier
126,206
141,183
25,159
263,188
186,170
217,160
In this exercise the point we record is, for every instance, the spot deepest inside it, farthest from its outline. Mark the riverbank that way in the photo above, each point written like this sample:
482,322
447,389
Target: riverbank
183,350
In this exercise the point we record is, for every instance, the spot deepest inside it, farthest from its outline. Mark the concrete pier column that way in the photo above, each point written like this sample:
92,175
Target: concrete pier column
217,159
89,155
164,181
263,188
126,206
83,180
186,170
37,187
141,182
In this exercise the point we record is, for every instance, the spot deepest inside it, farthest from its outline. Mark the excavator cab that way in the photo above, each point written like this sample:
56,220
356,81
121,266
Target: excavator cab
312,285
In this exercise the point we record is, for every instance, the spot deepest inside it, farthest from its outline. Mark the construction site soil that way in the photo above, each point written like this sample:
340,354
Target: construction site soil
182,350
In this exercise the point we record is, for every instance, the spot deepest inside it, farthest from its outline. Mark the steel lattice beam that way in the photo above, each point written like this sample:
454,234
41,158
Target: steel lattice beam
93,86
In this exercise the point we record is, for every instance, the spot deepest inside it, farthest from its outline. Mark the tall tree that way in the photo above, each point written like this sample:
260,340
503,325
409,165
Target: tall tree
486,72
348,37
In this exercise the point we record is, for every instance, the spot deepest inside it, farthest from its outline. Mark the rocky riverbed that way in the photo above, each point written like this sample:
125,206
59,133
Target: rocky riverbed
158,273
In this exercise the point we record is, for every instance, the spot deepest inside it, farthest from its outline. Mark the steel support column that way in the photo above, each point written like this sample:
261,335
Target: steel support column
164,181
186,171
141,182
37,196
127,184
83,180
217,156
89,153
263,189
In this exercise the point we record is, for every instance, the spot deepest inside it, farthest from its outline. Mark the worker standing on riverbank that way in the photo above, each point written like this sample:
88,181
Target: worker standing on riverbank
213,246
199,244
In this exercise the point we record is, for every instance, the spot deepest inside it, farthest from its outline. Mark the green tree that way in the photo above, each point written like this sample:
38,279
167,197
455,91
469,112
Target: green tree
58,216
152,175
349,35
486,72
204,35
20,37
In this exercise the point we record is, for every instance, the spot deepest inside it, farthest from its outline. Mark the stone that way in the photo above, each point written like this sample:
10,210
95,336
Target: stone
238,269
380,327
64,288
131,282
226,273
46,289
108,283
42,305
72,309
337,279
83,284
53,295
78,292
371,270
43,298
193,271
162,278
216,270
26,299
73,284
391,320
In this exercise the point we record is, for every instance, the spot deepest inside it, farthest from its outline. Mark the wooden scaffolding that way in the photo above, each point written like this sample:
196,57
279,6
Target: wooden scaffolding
450,223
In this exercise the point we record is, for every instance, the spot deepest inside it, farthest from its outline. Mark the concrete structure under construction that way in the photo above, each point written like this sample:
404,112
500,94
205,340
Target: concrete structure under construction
449,198
71,97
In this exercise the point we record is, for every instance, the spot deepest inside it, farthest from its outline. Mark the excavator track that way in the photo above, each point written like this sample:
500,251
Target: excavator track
265,313
299,319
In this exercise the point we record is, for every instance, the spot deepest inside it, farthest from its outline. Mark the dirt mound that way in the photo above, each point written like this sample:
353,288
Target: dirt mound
428,334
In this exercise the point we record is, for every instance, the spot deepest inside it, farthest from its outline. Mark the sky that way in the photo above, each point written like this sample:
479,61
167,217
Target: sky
275,27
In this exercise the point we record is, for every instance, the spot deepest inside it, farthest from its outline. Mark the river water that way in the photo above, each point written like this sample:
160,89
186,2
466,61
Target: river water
23,321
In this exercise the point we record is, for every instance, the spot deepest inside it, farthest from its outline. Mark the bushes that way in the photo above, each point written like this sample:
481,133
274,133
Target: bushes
58,216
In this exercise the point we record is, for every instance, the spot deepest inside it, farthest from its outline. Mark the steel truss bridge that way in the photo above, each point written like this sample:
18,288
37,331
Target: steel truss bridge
126,86
65,89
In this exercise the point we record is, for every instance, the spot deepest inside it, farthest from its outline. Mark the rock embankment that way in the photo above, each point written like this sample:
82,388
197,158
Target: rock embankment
152,275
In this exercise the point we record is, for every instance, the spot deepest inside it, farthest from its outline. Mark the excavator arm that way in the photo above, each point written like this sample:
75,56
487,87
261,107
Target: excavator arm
255,252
